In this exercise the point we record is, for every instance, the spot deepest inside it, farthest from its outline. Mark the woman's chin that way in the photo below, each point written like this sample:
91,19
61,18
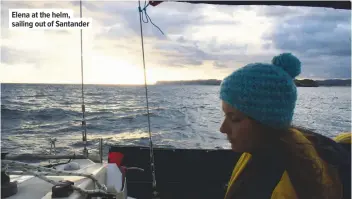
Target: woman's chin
236,149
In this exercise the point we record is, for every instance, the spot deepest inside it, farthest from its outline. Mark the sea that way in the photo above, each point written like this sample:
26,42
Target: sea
186,116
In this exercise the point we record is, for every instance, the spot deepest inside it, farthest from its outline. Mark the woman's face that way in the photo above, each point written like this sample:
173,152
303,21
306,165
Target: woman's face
241,131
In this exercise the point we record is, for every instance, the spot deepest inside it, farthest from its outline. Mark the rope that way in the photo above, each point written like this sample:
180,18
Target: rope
144,10
82,191
26,169
52,144
84,124
25,166
152,162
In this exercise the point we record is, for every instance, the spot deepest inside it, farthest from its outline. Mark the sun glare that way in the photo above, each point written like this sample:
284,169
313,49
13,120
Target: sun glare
108,70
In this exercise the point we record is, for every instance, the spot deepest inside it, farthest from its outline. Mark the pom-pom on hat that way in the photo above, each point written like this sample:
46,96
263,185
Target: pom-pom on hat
265,92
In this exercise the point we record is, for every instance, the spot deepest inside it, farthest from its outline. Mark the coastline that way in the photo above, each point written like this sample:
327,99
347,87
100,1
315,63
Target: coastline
299,83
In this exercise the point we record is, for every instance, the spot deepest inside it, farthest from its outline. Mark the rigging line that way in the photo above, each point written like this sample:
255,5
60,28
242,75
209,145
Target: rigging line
84,132
147,16
146,97
145,7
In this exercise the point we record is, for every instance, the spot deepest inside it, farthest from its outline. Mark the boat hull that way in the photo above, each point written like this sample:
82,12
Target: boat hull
180,173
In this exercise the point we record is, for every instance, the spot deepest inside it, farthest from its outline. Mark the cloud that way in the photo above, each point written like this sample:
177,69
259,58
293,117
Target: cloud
185,52
171,18
197,37
13,56
315,34
182,55
320,37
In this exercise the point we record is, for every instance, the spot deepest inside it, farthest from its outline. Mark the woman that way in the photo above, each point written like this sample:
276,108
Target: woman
278,161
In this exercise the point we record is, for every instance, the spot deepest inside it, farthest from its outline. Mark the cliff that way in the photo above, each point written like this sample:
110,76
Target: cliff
306,83
299,83
334,82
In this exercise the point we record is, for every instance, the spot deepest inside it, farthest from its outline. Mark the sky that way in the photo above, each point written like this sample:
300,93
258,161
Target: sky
201,41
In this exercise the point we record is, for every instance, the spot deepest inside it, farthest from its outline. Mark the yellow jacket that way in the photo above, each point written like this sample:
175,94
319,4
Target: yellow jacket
284,189
344,138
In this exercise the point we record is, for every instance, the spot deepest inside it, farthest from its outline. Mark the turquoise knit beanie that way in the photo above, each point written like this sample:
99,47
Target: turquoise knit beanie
265,92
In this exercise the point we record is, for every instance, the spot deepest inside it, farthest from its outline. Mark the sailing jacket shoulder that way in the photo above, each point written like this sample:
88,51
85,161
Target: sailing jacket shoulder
265,177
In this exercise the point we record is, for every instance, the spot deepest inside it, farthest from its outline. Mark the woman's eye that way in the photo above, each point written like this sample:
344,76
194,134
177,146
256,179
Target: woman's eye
235,120
232,118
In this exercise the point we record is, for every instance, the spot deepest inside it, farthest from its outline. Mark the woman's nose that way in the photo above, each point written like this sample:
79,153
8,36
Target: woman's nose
222,128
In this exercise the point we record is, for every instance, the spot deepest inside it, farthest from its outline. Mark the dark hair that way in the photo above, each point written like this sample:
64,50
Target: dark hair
310,175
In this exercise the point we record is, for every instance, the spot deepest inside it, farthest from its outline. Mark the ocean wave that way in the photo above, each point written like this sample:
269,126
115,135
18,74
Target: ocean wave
12,102
34,96
138,115
181,117
95,93
53,114
10,113
43,114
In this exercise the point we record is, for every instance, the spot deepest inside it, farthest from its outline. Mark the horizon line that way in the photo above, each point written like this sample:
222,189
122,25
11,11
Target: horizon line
121,84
